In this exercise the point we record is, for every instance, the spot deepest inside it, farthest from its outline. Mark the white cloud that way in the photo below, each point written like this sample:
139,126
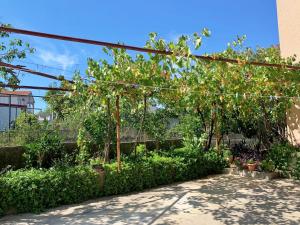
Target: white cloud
64,60
174,36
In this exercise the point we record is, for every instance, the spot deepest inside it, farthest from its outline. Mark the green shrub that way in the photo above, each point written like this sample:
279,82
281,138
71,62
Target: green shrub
267,165
128,179
296,171
201,162
27,128
35,190
158,169
141,150
166,169
281,155
195,142
215,162
45,150
185,153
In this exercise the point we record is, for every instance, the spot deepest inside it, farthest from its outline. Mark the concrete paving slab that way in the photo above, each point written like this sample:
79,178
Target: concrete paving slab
222,199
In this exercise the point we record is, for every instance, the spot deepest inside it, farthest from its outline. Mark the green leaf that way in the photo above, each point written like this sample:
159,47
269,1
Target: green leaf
206,32
198,43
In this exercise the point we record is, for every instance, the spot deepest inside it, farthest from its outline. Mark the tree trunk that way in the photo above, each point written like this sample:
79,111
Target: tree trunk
218,135
200,114
219,138
266,128
219,126
211,131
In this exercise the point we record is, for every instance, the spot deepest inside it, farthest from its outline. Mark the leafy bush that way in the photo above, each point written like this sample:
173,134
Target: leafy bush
296,171
195,142
96,161
157,124
35,190
267,165
214,162
141,150
189,126
45,150
95,134
64,161
26,129
227,153
281,155
179,165
138,175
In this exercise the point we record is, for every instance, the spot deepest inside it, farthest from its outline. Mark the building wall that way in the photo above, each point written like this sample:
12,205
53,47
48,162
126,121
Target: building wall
17,100
4,116
26,101
288,12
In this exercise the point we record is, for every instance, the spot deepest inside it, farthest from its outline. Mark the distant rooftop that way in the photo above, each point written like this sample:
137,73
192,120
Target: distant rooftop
20,93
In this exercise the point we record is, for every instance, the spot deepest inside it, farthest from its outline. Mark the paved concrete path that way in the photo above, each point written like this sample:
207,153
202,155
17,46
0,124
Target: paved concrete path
223,199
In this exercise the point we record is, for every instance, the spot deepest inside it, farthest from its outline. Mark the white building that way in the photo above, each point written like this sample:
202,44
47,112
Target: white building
12,103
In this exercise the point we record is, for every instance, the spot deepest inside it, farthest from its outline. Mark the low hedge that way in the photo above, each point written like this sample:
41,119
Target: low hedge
296,171
136,176
35,190
156,169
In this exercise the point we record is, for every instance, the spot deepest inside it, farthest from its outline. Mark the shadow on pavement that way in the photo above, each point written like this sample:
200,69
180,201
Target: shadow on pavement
220,199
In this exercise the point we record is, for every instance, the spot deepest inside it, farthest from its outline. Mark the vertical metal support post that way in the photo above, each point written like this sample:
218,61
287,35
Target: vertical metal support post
9,111
118,128
9,117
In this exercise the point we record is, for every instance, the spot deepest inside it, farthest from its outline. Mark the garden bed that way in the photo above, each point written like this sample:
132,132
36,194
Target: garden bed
37,189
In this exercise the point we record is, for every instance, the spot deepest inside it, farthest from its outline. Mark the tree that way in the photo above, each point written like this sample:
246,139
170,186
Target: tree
224,97
10,50
58,102
27,128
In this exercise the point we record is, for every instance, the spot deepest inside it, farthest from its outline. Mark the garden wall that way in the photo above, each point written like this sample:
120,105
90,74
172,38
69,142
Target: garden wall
13,155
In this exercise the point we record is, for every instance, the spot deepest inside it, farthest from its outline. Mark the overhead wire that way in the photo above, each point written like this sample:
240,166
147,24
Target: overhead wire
24,69
38,65
34,87
3,95
45,66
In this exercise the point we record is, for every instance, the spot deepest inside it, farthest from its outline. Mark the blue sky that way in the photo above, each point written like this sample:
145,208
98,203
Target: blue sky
130,22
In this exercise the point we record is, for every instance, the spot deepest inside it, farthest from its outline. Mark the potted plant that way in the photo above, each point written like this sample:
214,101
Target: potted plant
251,165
